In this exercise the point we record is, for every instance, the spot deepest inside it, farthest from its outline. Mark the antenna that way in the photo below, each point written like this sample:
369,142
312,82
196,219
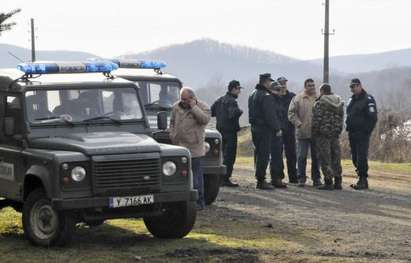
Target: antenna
14,56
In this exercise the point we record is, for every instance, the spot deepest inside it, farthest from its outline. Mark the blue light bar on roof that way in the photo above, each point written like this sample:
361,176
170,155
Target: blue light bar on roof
142,64
67,67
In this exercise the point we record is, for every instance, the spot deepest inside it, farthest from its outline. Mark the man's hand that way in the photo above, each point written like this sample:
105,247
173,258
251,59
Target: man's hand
192,102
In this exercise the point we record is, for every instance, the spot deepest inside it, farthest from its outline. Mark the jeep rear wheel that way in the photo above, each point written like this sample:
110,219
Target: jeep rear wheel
42,224
211,187
176,221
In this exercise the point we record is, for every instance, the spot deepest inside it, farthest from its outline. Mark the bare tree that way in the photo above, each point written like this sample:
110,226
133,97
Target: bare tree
4,16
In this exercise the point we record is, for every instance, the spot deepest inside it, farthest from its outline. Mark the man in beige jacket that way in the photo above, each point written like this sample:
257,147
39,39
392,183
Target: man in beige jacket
189,117
300,113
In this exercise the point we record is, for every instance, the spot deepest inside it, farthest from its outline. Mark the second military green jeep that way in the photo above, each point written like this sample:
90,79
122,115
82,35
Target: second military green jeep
159,91
76,148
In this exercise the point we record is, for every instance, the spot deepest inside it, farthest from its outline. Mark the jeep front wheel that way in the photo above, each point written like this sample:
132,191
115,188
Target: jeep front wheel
176,221
42,224
211,187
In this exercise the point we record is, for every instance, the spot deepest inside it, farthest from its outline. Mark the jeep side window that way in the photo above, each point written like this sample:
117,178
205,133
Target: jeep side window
13,116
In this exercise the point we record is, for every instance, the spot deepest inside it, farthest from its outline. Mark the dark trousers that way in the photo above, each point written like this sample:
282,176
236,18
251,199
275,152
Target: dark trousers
276,161
262,142
290,150
229,151
303,146
359,145
198,179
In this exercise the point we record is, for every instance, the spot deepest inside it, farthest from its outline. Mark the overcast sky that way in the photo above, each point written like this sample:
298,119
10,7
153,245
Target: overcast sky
290,27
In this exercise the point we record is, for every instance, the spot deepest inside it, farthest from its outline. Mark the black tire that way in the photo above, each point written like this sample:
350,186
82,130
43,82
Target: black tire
176,222
211,187
95,223
42,224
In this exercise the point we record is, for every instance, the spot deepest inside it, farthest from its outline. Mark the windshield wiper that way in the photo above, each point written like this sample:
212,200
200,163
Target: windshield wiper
116,121
52,118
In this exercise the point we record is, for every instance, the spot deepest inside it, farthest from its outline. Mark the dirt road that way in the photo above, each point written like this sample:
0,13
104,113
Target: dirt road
368,226
245,225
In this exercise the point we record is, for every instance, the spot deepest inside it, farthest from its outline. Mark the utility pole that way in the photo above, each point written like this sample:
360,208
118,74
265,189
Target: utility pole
33,41
326,70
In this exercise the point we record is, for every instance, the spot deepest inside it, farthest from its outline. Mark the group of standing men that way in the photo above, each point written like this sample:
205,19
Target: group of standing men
282,121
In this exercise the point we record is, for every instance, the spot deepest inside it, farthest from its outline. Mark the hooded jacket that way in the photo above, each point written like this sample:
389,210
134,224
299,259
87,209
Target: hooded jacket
328,116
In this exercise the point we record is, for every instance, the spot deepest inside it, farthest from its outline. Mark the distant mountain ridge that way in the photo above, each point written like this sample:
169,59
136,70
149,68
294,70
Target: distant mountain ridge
369,62
8,61
199,61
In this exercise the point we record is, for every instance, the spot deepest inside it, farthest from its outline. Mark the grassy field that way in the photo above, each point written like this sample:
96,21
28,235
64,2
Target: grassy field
246,161
213,240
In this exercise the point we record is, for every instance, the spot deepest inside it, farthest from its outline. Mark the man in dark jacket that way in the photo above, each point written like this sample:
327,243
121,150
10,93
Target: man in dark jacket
328,120
361,119
276,161
289,142
264,123
227,113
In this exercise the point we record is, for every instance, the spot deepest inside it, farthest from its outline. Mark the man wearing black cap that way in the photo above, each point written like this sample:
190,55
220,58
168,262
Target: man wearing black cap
289,142
361,120
227,113
263,124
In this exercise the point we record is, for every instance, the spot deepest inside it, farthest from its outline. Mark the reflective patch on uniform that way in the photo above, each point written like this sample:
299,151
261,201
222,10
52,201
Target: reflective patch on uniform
372,109
370,98
371,104
7,171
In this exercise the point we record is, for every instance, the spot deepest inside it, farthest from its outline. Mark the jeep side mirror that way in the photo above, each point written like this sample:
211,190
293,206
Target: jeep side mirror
162,120
9,126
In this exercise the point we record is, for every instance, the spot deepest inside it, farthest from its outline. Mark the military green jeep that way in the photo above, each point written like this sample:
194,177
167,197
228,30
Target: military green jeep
159,91
77,148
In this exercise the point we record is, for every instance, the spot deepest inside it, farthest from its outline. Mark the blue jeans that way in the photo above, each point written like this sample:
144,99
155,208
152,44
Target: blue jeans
198,179
303,146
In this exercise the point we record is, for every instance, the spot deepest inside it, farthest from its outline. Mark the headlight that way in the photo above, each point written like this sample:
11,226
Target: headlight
216,141
169,168
207,147
78,174
184,159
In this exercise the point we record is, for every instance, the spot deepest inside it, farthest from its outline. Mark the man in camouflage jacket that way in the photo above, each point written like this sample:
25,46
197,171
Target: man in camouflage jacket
327,125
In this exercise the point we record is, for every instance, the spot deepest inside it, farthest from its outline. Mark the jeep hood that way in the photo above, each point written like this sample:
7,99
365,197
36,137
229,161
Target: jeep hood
98,143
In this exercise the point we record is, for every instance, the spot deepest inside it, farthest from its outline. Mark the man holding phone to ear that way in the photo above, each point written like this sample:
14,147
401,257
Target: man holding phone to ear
189,117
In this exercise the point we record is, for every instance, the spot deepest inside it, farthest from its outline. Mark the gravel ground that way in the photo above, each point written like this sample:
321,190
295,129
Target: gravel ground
370,226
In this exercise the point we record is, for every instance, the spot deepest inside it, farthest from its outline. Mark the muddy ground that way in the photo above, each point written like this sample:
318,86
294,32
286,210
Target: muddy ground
248,225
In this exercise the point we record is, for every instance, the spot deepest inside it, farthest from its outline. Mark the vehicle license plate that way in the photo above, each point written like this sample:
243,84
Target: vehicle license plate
125,201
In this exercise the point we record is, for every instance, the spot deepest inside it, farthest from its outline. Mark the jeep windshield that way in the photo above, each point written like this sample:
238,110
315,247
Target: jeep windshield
72,105
158,95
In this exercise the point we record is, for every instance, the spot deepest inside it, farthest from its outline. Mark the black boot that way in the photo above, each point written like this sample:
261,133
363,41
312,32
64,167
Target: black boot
338,183
328,185
263,185
278,183
362,184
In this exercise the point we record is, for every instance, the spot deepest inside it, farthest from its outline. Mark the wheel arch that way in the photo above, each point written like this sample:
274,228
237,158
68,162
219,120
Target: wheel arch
37,176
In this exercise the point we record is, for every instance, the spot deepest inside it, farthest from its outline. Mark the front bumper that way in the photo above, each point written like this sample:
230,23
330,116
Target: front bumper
103,202
220,170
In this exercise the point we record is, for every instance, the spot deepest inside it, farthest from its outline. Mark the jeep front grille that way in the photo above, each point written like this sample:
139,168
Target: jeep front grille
126,176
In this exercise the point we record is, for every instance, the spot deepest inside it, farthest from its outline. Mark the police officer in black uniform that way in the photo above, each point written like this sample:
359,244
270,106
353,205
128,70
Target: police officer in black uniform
289,140
227,113
276,161
361,121
263,122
